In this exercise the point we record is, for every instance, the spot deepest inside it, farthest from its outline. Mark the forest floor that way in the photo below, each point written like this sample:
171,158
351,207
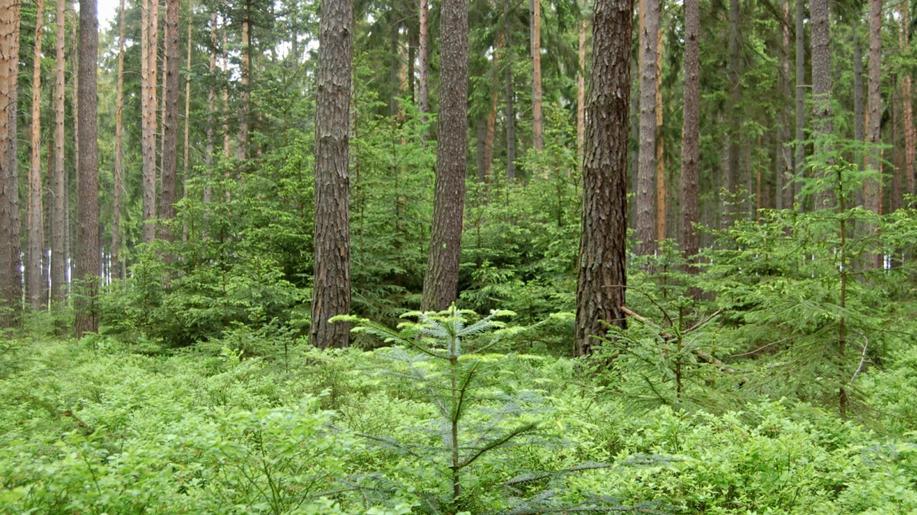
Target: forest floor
100,426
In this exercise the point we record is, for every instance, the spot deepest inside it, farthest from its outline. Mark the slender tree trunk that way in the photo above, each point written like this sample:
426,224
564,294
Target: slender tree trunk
440,287
733,148
211,106
872,187
821,81
783,197
581,93
537,116
646,171
10,286
509,92
602,274
119,153
170,118
245,90
186,158
58,181
660,144
799,157
910,138
149,44
690,147
227,143
88,264
35,212
331,290
490,124
423,54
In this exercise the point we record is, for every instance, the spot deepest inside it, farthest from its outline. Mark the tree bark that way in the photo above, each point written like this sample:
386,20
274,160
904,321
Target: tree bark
211,106
799,156
169,183
509,92
821,82
119,153
660,143
423,53
690,147
910,138
783,197
646,171
440,286
537,116
35,287
581,93
58,177
186,148
733,148
245,91
331,287
88,264
602,256
871,187
10,285
149,44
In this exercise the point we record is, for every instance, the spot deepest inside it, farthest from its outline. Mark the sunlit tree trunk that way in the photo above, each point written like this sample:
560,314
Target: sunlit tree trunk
149,45
245,90
10,285
601,271
89,261
581,92
440,286
537,108
35,285
690,147
423,54
331,290
646,169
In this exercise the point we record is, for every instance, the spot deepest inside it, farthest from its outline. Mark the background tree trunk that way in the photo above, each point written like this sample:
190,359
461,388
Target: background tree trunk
581,93
661,192
35,286
88,264
646,171
149,43
799,156
910,138
211,106
602,268
783,197
690,147
331,290
119,153
733,148
186,148
170,119
245,90
537,114
10,278
440,286
510,106
821,80
58,182
423,54
871,187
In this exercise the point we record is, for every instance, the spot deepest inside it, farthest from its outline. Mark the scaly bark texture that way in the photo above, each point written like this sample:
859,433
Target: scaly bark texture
245,90
537,116
148,71
509,113
690,147
169,182
910,138
602,256
646,169
186,148
423,55
871,187
58,176
733,148
88,263
783,197
661,192
10,278
440,285
799,156
35,286
116,266
821,82
331,287
581,93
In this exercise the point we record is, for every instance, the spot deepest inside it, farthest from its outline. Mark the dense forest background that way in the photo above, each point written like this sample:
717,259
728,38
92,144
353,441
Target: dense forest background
302,256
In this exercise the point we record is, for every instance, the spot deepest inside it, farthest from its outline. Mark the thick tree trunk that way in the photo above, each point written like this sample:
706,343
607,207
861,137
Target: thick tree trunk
661,192
734,147
601,271
58,177
646,171
537,115
169,182
423,54
581,94
88,263
149,44
799,156
690,147
35,287
871,187
10,285
910,138
245,90
821,83
331,287
116,265
783,197
440,286
509,92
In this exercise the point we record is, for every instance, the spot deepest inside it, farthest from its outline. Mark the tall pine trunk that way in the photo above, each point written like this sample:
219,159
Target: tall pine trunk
733,147
10,285
34,274
537,110
169,182
423,55
116,265
871,187
186,147
149,45
799,155
910,138
89,260
690,147
245,90
331,290
440,286
211,107
783,197
661,192
821,83
581,92
509,113
646,170
58,176
602,254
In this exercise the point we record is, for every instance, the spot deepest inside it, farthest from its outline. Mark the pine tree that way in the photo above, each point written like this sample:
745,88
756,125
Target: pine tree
35,286
10,278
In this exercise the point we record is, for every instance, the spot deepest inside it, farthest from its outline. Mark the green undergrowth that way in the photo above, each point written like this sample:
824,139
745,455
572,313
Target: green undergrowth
99,426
